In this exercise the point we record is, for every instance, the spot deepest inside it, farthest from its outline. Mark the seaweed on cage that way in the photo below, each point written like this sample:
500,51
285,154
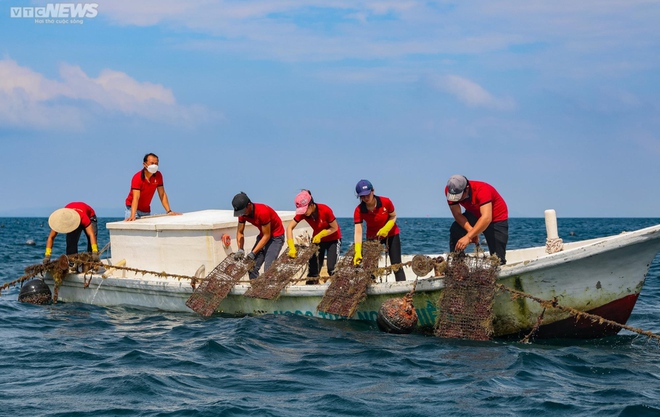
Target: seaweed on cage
465,307
217,284
348,286
280,273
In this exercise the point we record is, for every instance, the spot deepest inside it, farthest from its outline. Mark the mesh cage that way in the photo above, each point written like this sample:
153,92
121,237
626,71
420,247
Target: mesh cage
269,285
349,283
217,284
466,304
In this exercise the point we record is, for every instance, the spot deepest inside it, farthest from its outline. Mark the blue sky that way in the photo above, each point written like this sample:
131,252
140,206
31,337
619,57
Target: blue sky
556,104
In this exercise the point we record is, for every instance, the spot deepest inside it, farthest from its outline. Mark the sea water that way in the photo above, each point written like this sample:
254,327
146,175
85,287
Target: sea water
71,359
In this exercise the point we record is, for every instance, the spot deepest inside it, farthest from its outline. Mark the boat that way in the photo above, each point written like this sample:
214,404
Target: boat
151,259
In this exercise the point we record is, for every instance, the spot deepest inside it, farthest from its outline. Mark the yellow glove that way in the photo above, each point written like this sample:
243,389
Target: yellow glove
386,229
323,233
357,258
292,248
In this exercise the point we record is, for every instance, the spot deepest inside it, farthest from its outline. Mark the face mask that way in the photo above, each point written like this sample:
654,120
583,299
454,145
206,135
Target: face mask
152,168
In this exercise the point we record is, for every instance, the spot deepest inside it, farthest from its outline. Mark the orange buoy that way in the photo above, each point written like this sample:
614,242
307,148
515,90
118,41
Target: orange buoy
226,240
397,315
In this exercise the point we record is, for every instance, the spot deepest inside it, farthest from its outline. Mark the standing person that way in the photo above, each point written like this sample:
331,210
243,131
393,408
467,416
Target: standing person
72,220
326,232
271,232
378,212
485,212
143,187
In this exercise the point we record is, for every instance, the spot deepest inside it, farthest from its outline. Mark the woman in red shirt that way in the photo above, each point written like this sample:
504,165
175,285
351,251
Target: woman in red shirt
378,212
326,232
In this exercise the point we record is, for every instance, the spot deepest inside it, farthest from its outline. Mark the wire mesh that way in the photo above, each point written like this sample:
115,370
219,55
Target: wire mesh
466,304
349,283
217,284
269,285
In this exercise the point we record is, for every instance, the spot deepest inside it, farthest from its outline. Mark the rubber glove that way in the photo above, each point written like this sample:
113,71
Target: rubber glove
292,248
385,229
47,255
251,256
95,256
240,254
320,235
357,258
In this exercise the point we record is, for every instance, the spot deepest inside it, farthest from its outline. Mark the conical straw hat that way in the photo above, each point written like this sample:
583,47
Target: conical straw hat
64,220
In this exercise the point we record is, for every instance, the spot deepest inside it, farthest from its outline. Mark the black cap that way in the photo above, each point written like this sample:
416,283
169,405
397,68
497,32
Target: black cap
240,203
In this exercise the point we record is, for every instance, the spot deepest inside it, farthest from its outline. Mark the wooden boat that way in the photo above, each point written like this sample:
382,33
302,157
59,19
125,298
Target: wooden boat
603,276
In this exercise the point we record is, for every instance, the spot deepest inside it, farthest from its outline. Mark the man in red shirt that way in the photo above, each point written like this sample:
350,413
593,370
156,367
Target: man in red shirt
72,220
143,187
271,232
325,228
485,212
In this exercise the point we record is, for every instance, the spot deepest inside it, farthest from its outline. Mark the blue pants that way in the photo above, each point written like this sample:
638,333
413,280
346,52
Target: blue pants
267,254
138,214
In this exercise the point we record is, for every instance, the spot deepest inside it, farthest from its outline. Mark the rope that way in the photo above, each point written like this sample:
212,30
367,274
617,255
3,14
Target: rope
576,313
554,245
15,282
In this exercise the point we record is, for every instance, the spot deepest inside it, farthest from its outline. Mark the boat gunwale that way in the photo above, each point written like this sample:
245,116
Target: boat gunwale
430,283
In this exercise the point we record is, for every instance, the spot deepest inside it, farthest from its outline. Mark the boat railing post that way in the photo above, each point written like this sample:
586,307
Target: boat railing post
552,243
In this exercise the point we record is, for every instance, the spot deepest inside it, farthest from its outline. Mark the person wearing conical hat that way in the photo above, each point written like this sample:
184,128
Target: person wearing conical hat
72,219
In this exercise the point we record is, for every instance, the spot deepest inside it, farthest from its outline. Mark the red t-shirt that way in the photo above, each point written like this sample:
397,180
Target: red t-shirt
147,189
85,212
376,219
483,193
324,216
261,216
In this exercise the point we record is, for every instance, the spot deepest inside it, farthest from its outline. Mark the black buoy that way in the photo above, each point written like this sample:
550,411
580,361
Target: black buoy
35,292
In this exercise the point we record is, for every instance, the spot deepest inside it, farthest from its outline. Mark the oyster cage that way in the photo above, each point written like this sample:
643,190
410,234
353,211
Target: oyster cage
270,284
348,286
217,284
466,303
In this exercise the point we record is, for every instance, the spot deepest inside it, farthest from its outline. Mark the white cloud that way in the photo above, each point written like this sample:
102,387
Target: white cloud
30,100
471,93
364,29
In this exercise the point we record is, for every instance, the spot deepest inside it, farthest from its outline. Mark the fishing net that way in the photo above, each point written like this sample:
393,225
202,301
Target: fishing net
466,304
270,284
217,284
349,283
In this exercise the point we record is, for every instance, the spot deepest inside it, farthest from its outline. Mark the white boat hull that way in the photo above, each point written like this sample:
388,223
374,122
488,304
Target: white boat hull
603,276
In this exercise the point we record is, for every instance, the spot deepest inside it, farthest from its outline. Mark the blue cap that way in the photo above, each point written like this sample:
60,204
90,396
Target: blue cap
363,187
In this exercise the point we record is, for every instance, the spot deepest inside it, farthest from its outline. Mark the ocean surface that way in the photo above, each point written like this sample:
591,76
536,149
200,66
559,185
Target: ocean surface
70,359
